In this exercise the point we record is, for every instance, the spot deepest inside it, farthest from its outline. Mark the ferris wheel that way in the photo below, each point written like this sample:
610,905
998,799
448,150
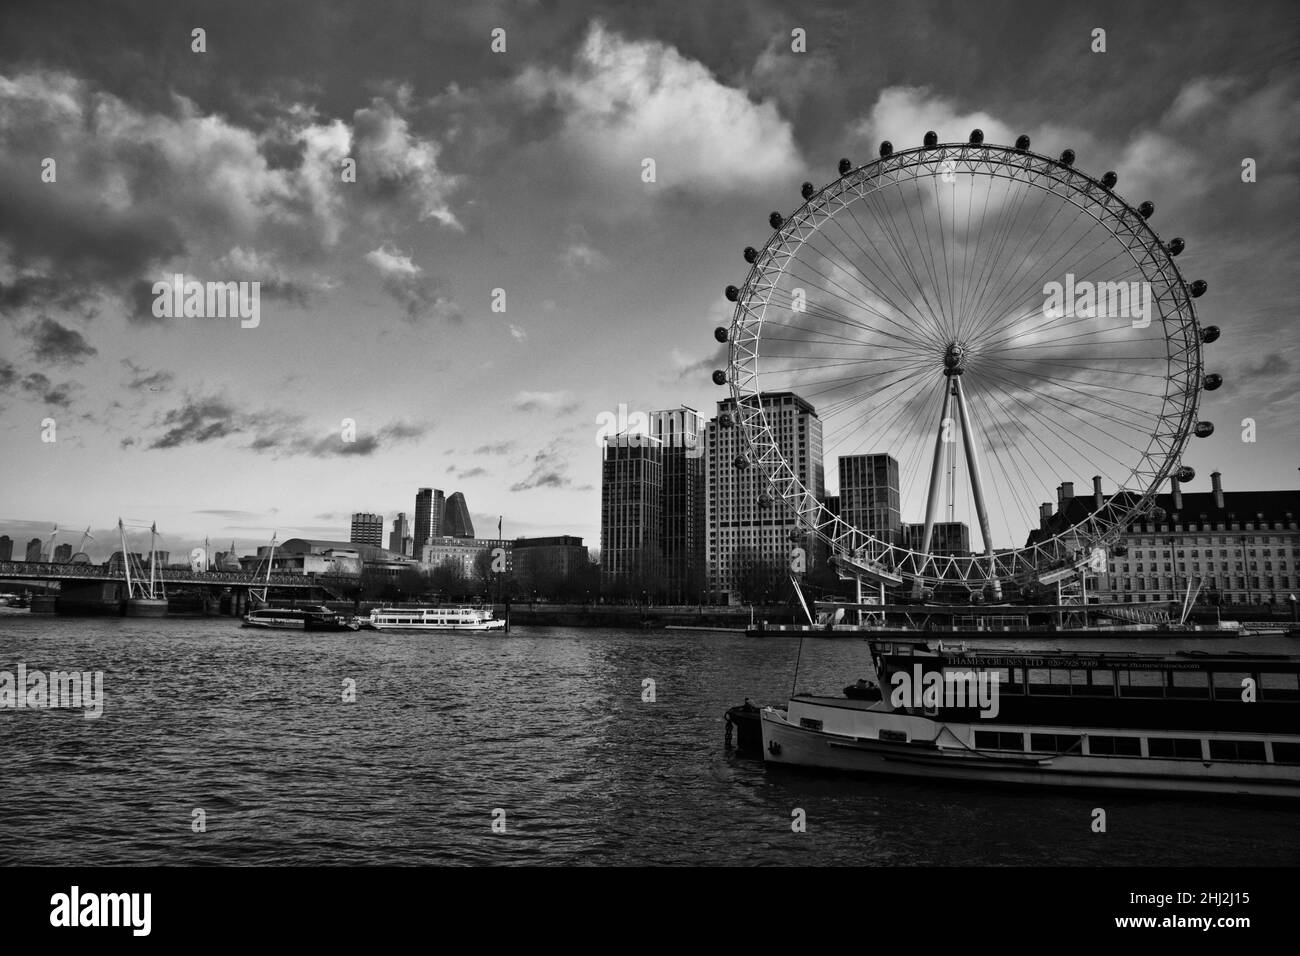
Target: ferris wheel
1000,325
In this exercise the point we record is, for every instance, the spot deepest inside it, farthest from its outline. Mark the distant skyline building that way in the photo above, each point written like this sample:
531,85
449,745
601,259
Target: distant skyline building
429,507
680,433
456,522
34,549
750,535
869,495
466,553
6,548
367,528
543,563
948,539
631,499
399,539
1239,547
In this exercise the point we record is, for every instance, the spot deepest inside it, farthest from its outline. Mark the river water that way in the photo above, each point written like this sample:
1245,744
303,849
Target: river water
544,730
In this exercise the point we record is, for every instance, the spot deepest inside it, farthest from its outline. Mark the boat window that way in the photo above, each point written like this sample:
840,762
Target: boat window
999,740
1003,677
1180,747
1048,682
1141,683
1055,743
1189,684
1017,680
810,723
1285,752
1102,684
1237,750
1107,746
1275,685
1227,684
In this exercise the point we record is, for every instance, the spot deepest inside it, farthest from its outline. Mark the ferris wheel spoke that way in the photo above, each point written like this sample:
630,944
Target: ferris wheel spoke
1099,368
894,236
1072,408
968,281
1144,414
828,314
915,388
1040,444
1008,287
999,263
929,259
1034,289
849,299
1002,231
920,318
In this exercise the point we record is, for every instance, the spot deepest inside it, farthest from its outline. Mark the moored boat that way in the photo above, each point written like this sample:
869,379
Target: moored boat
1191,722
435,619
308,617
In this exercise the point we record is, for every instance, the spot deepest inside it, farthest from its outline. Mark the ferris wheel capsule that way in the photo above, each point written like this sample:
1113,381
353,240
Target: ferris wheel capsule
1203,429
1067,158
1022,142
1186,474
776,220
1147,209
931,139
1110,179
1213,381
724,420
1210,334
720,333
740,462
1175,246
886,149
807,190
976,137
1198,288
750,253
845,166
719,377
731,292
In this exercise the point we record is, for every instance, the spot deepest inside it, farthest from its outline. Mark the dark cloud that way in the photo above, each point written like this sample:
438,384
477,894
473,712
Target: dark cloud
38,386
497,448
550,470
58,344
204,419
142,378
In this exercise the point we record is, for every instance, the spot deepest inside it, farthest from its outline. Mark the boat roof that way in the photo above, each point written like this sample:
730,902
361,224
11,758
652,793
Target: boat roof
1048,657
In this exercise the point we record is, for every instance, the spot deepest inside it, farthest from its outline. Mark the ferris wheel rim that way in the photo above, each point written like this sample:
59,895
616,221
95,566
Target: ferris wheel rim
1152,257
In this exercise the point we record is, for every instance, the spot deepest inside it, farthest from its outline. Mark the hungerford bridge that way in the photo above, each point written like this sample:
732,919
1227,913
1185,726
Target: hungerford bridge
98,584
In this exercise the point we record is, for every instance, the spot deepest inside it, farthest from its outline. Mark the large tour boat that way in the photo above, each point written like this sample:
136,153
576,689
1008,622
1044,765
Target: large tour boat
435,619
308,617
1189,721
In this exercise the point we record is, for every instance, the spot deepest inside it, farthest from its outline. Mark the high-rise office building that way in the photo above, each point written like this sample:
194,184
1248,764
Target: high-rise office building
367,528
456,522
750,534
399,539
869,496
429,507
631,496
34,549
947,539
63,553
680,433
6,548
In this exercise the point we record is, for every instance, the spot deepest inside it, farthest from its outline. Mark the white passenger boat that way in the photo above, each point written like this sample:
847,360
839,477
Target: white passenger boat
1191,721
435,619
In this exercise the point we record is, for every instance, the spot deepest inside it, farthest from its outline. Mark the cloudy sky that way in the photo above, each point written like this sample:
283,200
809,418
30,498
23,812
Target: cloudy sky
522,171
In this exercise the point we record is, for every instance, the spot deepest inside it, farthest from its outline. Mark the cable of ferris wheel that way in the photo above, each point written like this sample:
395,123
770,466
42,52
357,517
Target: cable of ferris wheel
906,333
1144,414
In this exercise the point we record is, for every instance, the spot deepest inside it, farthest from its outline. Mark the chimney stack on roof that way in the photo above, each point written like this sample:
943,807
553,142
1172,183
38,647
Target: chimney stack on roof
1097,498
1217,481
1044,514
1178,493
1065,491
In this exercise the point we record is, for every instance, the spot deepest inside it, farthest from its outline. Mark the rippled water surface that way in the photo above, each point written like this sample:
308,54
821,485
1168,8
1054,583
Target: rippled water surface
545,724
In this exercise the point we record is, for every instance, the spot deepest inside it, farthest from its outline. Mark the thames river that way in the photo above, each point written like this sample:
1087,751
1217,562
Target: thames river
225,746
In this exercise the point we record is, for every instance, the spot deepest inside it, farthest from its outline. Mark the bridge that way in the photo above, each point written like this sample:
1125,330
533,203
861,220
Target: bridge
98,573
